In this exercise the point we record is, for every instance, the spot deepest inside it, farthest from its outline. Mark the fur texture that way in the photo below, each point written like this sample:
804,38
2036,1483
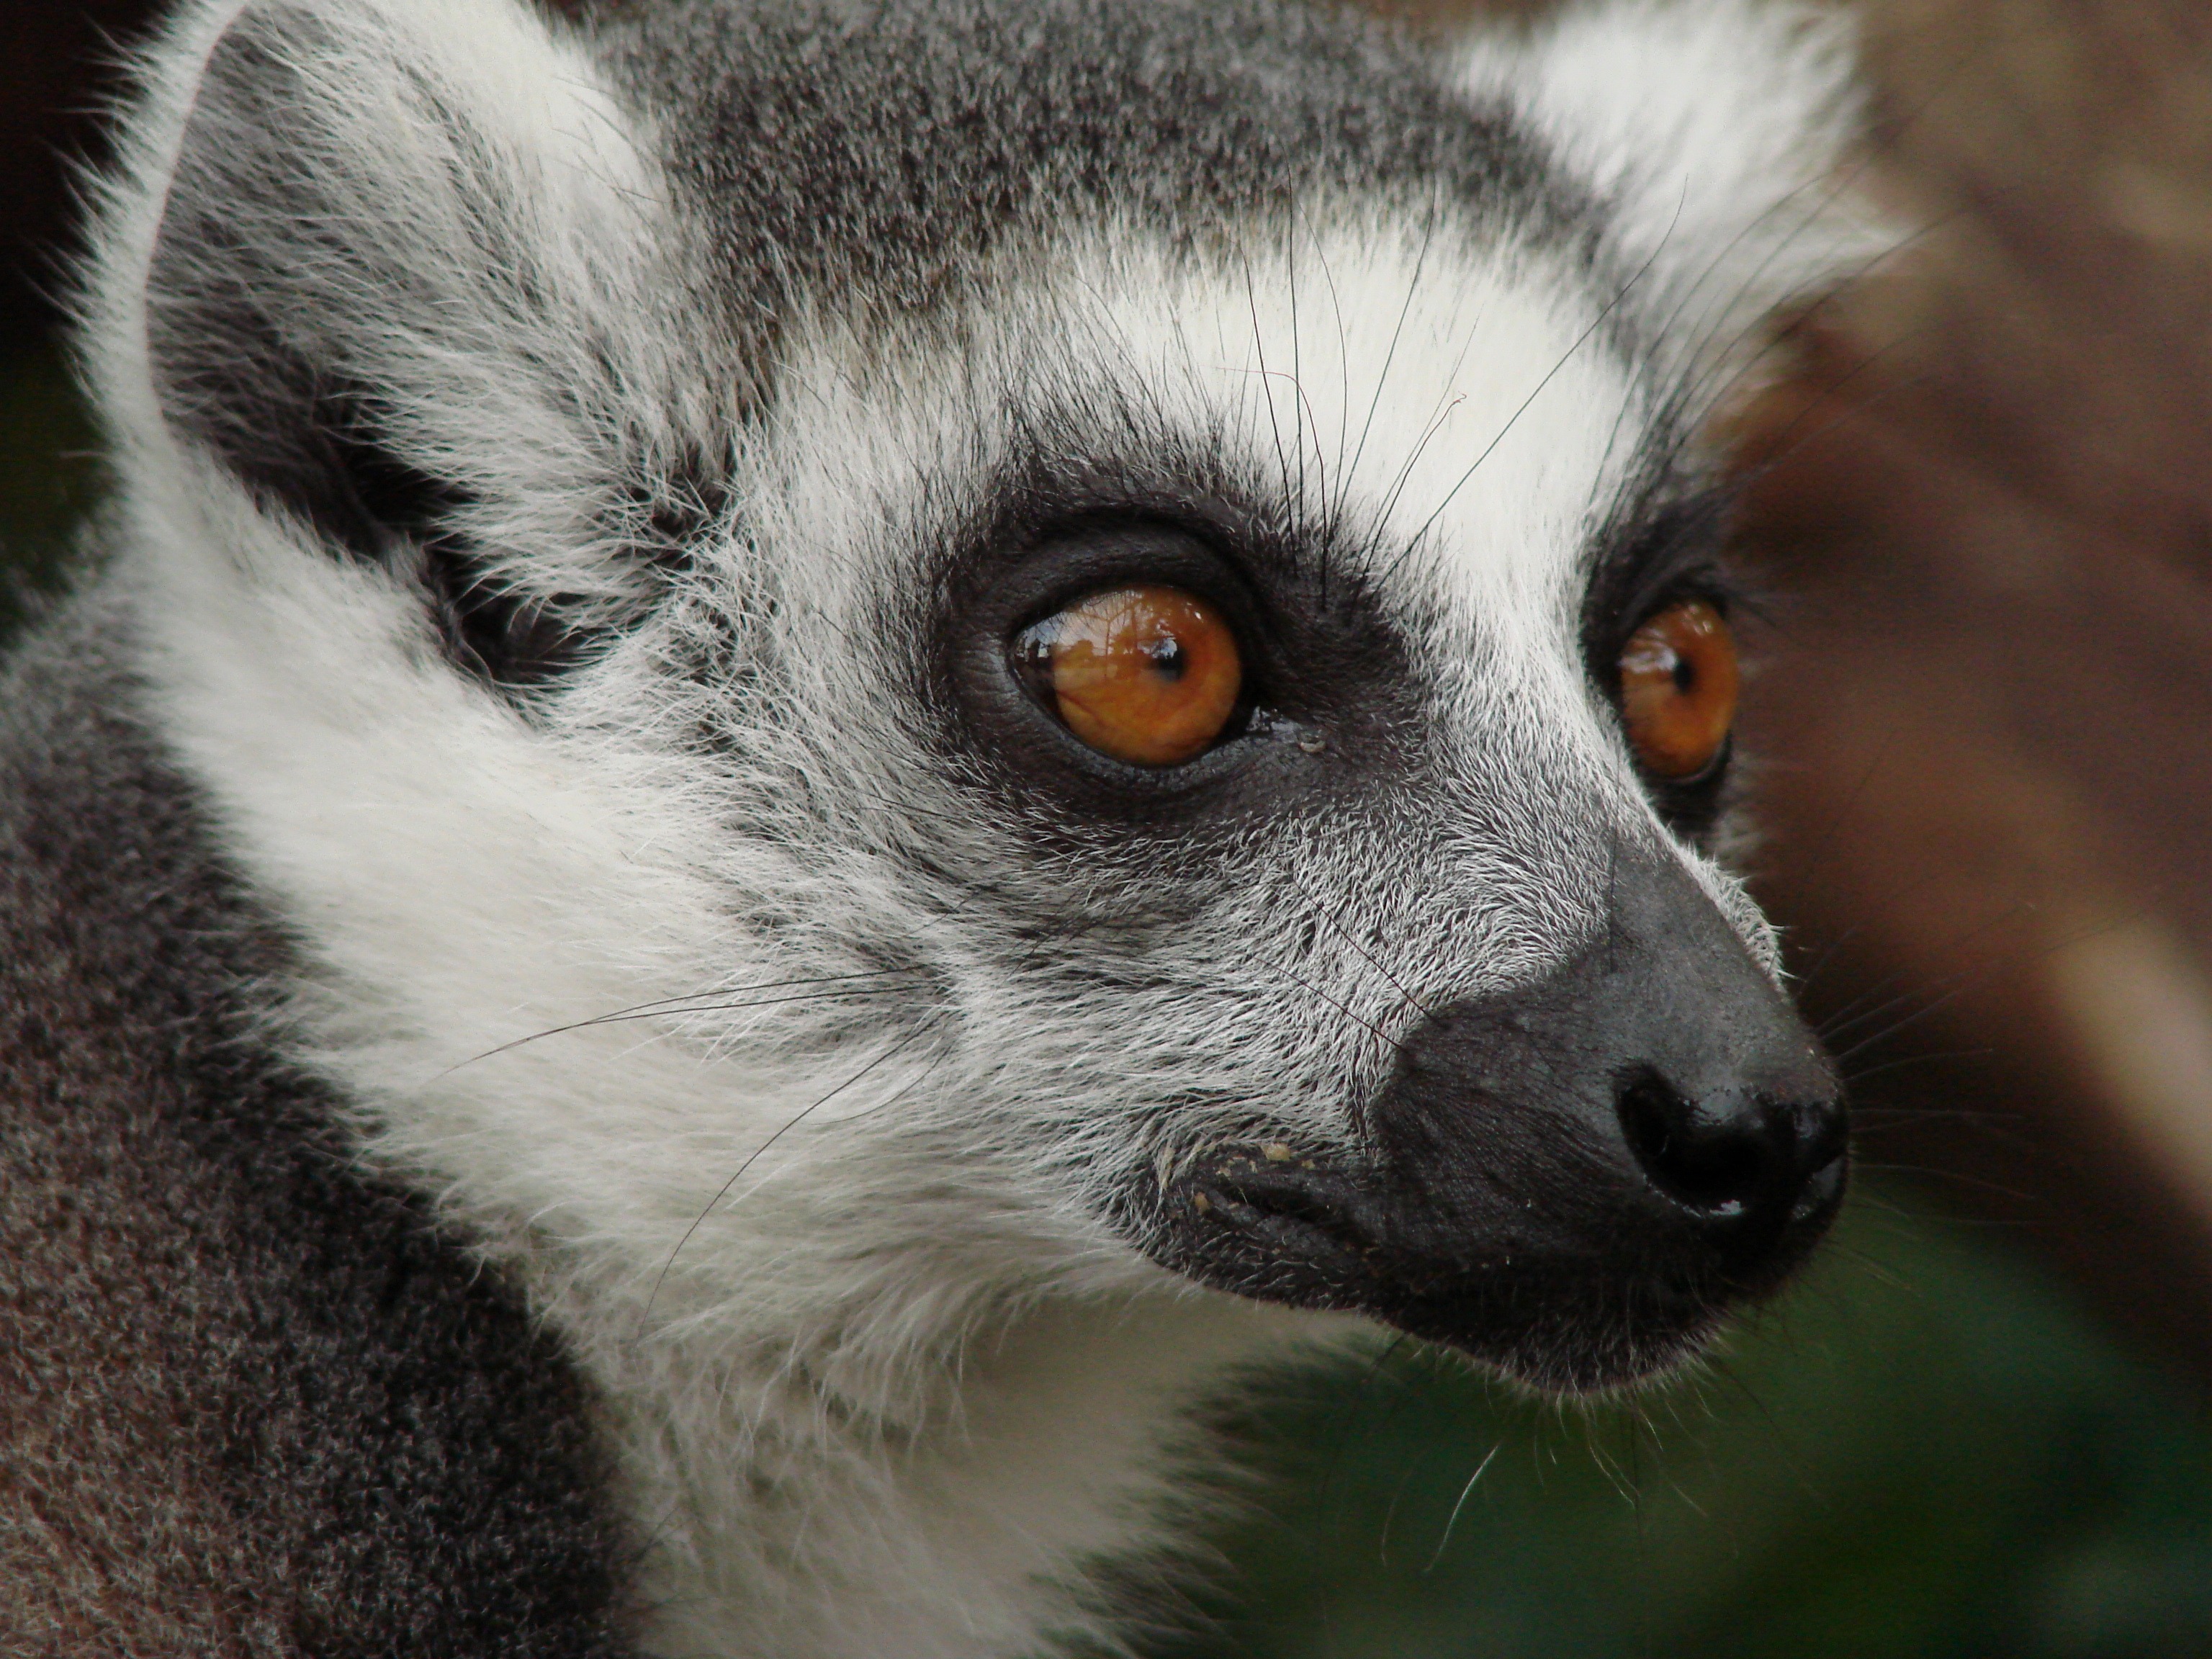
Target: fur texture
218,1335
559,476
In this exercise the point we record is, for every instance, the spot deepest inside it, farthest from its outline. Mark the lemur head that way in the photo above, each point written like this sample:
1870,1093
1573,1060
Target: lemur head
1077,644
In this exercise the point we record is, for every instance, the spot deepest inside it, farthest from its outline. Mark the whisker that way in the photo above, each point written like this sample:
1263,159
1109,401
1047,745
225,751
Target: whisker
1908,1022
789,1124
1357,1019
1442,414
1581,340
1863,1007
1857,1078
1465,1492
1963,983
666,1007
1314,907
1260,349
1332,505
1980,1183
1858,1010
1297,357
1892,140
1874,1268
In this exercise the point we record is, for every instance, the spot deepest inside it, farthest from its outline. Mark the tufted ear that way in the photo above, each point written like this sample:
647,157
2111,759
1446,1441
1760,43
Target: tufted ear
391,266
1719,132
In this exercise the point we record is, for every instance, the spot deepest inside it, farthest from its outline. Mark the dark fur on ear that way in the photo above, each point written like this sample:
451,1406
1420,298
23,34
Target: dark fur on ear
382,296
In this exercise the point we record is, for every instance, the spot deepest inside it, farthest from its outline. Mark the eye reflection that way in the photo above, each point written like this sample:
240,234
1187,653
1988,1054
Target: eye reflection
1146,674
1678,680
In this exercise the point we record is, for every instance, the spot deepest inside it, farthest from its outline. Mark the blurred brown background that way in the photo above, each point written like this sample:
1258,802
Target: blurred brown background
1990,697
1984,506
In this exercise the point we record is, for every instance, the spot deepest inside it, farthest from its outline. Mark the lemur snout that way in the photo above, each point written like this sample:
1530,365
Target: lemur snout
1572,1179
1737,1158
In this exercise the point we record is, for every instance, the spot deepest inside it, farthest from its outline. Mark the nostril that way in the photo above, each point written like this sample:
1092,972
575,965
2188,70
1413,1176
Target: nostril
1735,1152
1716,1162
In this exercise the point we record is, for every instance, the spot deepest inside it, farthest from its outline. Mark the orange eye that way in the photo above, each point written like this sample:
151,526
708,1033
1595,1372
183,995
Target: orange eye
1678,689
1148,675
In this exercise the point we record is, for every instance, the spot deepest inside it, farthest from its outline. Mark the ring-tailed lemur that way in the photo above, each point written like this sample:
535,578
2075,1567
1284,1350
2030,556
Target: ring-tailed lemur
830,747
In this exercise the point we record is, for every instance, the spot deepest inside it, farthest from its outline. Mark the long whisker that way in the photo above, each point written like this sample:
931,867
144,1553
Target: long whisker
1320,912
1390,357
1568,357
1857,1079
1840,1020
1445,404
1332,505
1701,400
667,1007
1299,979
1297,361
1842,184
789,1124
1465,1492
1959,1178
1259,350
1965,982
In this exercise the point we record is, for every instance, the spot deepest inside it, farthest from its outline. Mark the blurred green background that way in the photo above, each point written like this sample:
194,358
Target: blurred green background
1927,1448
49,478
1922,1450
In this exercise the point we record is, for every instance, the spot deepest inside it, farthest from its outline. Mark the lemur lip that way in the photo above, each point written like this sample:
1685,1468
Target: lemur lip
1316,1232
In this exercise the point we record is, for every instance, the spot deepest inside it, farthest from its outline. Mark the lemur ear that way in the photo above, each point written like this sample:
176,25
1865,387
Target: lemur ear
394,278
1719,132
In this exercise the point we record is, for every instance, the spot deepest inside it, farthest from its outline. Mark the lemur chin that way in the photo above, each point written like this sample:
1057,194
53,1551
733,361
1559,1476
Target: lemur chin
825,752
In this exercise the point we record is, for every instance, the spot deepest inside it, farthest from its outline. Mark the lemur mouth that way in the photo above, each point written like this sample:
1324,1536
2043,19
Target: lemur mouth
1574,1181
1564,1308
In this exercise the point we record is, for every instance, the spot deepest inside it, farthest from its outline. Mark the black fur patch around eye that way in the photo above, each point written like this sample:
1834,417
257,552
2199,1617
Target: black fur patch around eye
1663,549
1329,715
1666,548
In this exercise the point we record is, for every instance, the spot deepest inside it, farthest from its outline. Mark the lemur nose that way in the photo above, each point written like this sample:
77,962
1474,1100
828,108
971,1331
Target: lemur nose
1734,1157
1650,1120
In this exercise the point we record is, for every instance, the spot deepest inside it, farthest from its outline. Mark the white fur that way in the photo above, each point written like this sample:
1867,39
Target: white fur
881,1379
1717,130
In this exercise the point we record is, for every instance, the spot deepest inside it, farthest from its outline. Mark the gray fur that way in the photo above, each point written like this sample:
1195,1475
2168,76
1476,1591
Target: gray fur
672,1078
250,1403
877,154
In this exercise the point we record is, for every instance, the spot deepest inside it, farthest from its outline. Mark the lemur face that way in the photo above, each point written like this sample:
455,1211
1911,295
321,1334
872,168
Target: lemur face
1307,685
1103,638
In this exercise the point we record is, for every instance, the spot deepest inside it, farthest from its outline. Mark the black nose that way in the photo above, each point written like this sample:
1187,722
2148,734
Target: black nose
1734,1157
1580,1174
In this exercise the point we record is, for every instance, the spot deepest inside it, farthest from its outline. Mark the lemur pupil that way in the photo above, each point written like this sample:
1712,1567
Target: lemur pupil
1168,659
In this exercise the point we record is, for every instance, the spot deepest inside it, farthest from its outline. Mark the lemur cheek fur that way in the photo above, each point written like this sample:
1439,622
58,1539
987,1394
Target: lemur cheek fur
826,754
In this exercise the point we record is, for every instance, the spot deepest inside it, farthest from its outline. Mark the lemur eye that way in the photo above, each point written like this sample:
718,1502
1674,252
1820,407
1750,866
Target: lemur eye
1149,675
1678,690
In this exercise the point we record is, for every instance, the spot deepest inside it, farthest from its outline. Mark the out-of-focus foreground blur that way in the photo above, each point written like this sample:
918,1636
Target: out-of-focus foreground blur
1982,509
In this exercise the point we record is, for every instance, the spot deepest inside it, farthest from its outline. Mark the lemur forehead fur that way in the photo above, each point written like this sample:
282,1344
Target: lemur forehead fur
558,873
